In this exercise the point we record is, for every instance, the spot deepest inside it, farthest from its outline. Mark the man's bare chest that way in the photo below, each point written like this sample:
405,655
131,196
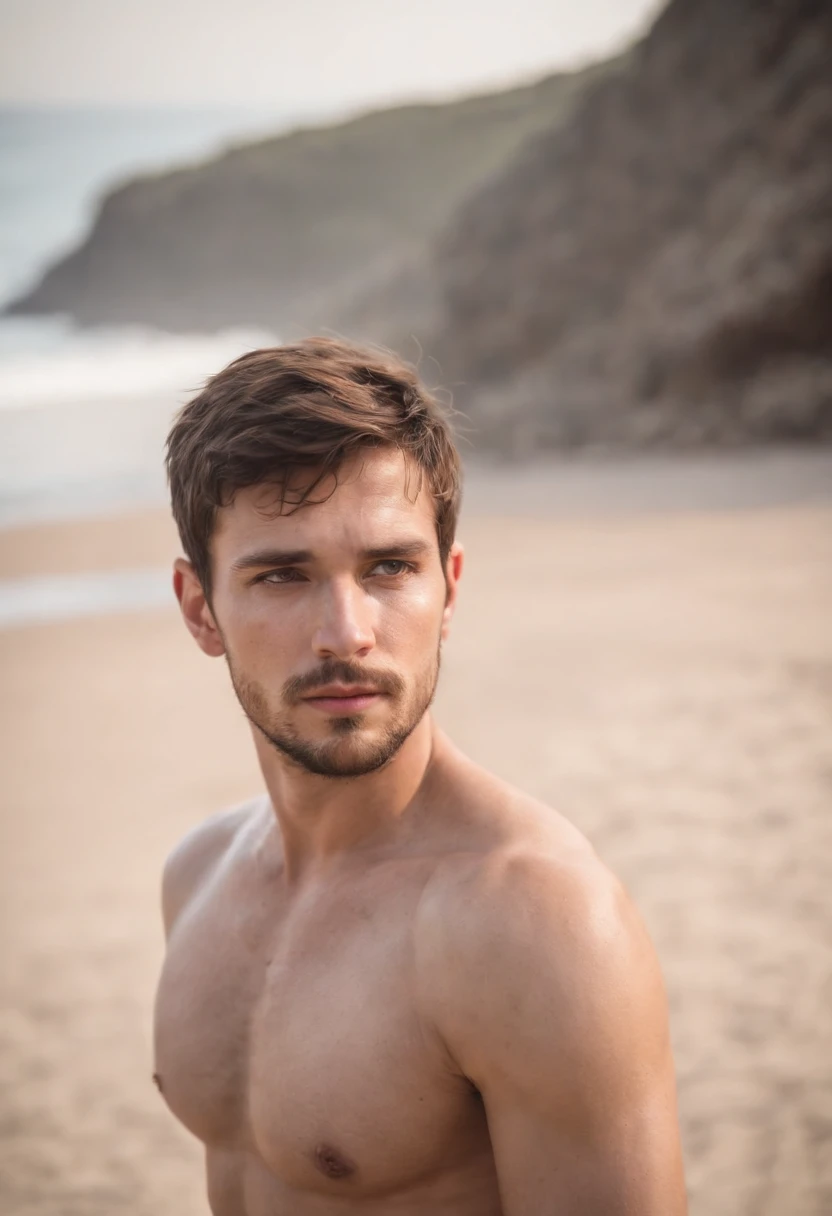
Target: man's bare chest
297,1038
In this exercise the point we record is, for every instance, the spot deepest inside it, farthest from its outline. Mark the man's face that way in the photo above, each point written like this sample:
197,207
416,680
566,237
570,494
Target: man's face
330,615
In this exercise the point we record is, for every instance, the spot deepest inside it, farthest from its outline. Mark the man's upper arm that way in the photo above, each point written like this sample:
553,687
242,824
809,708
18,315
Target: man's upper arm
548,995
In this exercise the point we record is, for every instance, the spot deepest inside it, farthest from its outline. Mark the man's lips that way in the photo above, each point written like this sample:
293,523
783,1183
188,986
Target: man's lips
343,699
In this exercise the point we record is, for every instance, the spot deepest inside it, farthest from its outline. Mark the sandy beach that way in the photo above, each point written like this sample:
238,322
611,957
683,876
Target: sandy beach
662,676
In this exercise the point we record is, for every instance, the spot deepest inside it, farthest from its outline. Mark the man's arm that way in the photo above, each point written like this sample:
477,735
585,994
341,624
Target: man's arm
547,993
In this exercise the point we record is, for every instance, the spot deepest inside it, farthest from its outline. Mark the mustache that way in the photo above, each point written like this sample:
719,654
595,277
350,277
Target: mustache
339,671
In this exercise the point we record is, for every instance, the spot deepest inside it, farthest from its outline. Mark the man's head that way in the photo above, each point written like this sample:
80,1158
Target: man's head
316,491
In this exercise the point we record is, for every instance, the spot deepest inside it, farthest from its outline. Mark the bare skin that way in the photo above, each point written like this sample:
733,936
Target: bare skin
408,988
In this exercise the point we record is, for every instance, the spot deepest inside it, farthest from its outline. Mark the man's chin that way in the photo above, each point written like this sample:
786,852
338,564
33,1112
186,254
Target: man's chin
350,752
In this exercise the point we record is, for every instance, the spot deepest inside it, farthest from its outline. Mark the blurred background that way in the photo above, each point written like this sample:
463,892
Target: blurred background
606,231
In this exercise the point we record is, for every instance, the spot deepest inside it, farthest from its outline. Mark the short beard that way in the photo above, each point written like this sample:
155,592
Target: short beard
322,759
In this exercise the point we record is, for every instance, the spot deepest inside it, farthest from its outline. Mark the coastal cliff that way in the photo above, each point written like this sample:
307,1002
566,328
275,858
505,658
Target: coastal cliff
285,232
636,254
660,268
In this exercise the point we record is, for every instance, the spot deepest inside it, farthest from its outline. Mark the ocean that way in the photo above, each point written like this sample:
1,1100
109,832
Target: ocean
83,412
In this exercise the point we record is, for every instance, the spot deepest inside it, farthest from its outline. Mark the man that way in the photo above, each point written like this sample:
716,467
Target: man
393,984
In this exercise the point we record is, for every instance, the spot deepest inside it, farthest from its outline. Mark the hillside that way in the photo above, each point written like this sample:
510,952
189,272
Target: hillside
640,253
285,232
659,268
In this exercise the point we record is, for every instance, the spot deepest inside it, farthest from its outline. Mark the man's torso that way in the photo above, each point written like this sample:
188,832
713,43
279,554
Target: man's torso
289,1037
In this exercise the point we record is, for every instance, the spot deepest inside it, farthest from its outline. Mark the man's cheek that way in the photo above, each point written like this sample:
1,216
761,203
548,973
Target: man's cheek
268,630
417,614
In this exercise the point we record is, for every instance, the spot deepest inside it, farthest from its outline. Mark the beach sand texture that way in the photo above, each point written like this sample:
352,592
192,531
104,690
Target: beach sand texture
663,678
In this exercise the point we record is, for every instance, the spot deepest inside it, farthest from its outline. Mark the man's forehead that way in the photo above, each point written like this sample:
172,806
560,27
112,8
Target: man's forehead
376,487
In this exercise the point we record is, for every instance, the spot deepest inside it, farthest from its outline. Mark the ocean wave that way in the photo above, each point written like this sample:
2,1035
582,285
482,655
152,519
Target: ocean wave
45,362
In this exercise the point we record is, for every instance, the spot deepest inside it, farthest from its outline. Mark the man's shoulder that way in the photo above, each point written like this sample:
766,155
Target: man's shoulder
198,853
514,848
535,900
534,866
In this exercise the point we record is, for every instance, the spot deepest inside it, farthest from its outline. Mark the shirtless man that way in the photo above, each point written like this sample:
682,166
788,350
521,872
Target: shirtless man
393,983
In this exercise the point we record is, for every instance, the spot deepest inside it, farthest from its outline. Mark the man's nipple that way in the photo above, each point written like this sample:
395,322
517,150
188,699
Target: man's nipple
331,1163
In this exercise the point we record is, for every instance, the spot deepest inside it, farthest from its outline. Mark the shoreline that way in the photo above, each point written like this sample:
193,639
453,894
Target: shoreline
583,481
119,559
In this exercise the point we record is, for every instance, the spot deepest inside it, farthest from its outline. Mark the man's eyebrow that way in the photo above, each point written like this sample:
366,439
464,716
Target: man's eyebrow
398,548
297,557
272,557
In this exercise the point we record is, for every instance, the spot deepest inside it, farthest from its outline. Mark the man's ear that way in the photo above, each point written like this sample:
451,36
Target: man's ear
453,573
195,609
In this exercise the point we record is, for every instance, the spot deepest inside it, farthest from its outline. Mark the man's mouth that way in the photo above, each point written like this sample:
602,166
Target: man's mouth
343,698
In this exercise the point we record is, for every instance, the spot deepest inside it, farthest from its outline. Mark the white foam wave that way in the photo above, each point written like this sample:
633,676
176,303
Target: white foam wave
49,362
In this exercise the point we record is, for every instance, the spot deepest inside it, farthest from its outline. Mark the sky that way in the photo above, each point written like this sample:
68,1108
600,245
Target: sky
304,57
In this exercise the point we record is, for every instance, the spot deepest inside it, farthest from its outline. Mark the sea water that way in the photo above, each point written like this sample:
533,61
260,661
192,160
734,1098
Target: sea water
83,412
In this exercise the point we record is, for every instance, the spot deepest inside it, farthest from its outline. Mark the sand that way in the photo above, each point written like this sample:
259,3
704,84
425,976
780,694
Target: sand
662,677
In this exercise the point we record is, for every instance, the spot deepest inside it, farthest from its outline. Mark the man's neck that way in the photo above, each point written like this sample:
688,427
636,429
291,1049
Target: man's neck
321,817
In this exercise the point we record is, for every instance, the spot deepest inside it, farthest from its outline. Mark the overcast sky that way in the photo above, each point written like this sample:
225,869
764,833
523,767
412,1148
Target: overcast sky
300,57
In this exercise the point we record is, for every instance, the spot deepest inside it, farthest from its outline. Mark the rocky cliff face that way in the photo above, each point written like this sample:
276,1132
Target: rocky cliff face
660,268
286,231
641,253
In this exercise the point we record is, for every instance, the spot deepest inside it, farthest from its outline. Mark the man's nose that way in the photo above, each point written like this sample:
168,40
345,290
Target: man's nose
345,626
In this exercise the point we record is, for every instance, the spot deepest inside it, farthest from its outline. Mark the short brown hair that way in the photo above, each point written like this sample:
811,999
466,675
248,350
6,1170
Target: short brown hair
309,405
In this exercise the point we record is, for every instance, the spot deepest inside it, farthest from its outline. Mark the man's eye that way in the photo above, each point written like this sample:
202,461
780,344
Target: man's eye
391,567
276,577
